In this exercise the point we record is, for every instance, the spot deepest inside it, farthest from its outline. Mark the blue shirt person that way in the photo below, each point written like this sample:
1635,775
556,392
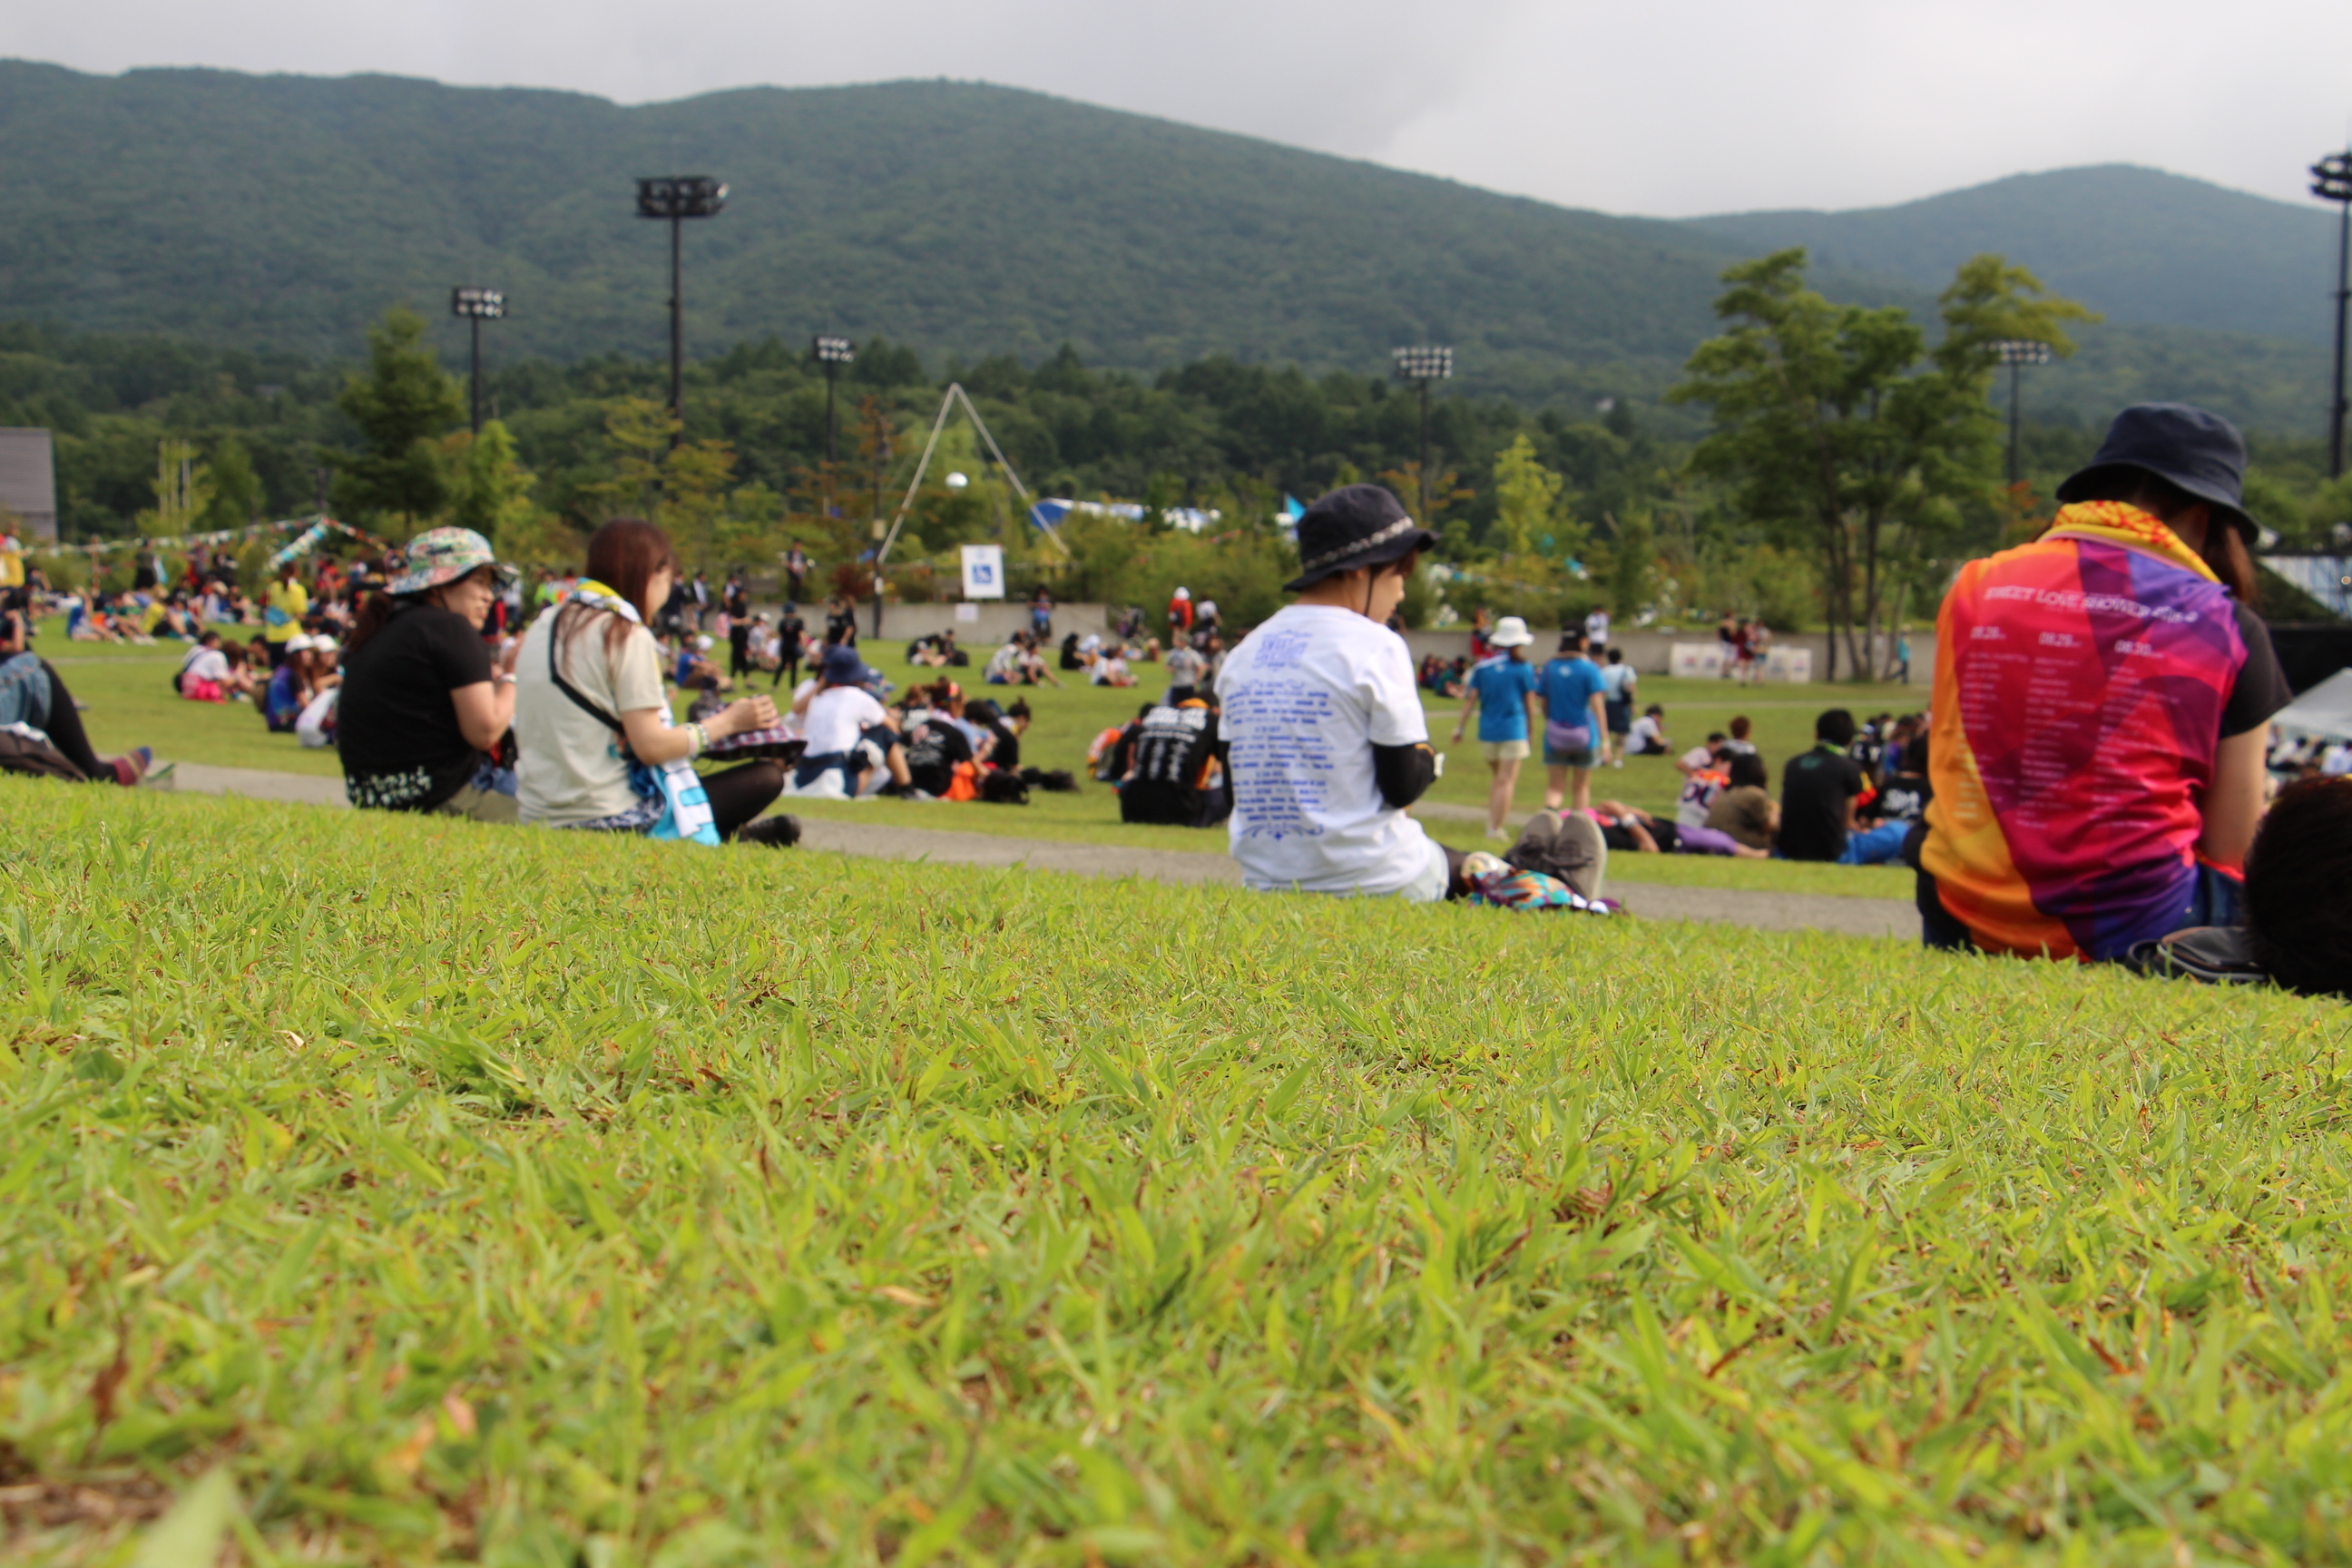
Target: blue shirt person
1501,690
1575,692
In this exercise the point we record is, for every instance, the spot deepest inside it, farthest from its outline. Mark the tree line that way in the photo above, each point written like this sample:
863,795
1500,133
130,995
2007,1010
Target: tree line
1847,458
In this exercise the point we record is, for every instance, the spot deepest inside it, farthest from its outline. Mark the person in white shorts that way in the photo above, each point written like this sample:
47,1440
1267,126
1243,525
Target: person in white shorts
1325,741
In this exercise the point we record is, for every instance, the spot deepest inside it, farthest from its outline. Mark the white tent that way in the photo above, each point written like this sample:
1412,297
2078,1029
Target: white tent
2325,709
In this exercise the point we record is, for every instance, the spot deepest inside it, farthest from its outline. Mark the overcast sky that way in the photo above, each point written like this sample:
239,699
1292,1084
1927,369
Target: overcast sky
1669,110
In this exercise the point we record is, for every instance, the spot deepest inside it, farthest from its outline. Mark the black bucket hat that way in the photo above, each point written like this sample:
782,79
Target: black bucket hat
1355,525
2199,452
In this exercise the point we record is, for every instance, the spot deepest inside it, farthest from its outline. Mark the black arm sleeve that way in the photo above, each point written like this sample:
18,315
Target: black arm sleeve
2261,689
1403,772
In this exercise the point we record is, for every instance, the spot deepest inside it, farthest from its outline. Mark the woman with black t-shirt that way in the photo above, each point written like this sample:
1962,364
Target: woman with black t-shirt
423,708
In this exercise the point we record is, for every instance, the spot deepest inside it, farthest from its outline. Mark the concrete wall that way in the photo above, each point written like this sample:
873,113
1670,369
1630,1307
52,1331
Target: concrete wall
1650,652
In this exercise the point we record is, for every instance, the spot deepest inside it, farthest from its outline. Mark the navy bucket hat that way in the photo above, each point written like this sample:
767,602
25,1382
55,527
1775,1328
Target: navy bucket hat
1355,525
2199,452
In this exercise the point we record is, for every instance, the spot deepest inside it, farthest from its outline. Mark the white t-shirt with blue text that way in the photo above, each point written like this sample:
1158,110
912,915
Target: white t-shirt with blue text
1305,698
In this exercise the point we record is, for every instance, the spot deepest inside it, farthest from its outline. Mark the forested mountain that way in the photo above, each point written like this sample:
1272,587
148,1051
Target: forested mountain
278,214
2139,245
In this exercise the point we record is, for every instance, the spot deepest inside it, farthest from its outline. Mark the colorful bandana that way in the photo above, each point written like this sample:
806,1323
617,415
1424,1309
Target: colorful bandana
2079,686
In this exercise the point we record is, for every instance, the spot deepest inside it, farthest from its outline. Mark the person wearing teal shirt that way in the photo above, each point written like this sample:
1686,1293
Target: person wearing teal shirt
1574,691
1502,691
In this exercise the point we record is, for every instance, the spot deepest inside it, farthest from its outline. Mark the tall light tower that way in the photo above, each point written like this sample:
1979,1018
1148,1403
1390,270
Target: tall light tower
1421,366
832,353
678,197
477,306
2016,354
2331,181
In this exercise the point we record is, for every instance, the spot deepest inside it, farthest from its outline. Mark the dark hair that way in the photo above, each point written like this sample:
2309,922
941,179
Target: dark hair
982,710
1616,656
1653,711
1739,728
1713,736
1020,709
2225,548
1571,642
623,556
2296,910
1836,727
1747,770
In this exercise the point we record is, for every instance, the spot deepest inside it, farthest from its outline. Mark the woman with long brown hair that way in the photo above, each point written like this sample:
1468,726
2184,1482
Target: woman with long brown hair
599,750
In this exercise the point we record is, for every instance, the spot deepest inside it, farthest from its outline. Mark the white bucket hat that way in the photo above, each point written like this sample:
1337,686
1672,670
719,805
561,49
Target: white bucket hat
1511,632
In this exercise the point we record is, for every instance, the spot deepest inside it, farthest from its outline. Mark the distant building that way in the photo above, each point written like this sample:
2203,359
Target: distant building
28,482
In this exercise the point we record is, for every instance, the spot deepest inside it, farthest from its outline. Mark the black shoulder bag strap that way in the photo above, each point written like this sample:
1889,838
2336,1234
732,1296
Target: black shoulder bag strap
579,697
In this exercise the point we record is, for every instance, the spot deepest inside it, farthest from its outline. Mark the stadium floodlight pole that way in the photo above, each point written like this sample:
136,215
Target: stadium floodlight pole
678,197
477,306
2331,181
832,353
2016,354
1421,366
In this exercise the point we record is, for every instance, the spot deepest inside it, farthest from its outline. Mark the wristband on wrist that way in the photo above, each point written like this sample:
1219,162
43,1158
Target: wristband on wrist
701,737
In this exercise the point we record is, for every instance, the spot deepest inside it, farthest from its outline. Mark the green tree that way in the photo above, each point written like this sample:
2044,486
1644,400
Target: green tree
492,491
237,497
1632,565
1528,505
402,407
1834,421
184,491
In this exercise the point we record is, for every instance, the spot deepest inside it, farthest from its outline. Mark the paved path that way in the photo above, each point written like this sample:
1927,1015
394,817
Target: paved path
1760,909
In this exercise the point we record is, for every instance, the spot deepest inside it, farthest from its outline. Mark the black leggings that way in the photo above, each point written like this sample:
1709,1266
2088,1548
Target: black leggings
66,733
740,793
787,668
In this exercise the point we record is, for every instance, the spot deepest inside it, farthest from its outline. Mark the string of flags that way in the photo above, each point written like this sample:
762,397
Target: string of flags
314,531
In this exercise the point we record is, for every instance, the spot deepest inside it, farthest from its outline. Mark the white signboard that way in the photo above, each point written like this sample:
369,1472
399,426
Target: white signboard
1794,665
983,571
1693,659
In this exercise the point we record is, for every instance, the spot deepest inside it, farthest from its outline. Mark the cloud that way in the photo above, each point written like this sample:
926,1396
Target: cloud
1710,105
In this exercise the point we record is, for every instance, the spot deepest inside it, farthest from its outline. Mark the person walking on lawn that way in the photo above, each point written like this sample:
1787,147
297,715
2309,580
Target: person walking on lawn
1502,691
1575,699
1328,742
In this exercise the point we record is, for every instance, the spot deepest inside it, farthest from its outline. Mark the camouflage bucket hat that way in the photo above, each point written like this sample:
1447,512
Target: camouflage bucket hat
440,556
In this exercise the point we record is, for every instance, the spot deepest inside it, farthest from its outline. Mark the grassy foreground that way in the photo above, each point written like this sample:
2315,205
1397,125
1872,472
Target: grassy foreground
463,1194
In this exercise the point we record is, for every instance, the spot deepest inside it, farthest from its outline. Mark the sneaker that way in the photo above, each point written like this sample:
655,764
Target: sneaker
1618,763
164,777
1498,835
777,832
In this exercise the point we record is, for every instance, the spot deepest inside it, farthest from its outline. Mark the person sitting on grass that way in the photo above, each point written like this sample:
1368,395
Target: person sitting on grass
2103,698
210,673
1575,702
2294,928
1822,794
1004,726
1177,777
40,726
423,708
1112,748
853,748
1502,693
1326,739
599,751
288,692
1743,818
1109,668
1648,736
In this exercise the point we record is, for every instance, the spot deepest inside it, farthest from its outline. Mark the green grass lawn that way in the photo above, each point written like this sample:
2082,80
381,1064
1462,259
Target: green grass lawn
131,704
459,1193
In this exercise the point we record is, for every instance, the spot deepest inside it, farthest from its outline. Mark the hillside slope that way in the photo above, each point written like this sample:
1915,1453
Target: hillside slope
2137,244
964,219
282,214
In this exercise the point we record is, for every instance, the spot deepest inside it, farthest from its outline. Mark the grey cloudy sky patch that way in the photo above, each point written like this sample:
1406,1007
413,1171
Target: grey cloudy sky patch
1706,106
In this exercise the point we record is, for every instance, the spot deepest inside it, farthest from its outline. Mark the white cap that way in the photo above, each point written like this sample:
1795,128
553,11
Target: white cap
1183,593
1511,632
322,642
299,643
702,643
